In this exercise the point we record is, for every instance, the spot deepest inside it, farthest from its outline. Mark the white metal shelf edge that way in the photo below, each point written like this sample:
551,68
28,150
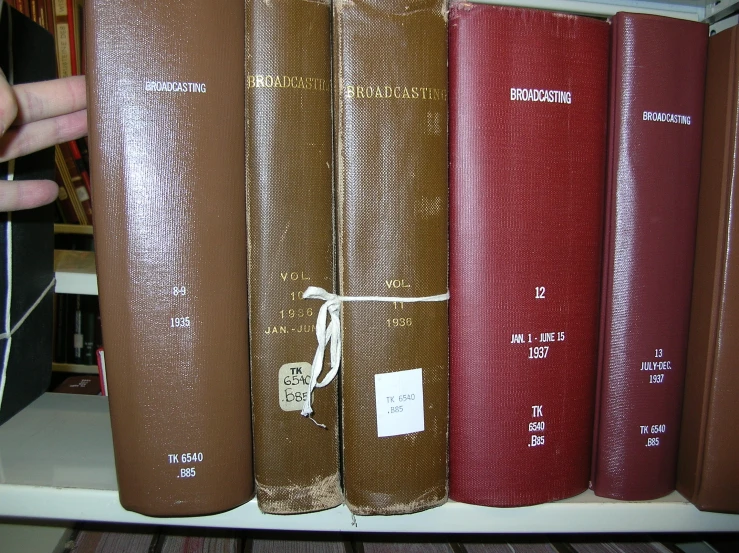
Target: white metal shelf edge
695,11
589,516
75,272
76,283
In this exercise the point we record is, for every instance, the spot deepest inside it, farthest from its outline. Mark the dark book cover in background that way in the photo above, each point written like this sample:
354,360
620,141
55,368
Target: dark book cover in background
26,237
528,112
708,458
658,69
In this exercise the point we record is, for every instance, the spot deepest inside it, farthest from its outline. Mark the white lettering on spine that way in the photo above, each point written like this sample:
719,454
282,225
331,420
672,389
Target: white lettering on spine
541,95
174,86
666,117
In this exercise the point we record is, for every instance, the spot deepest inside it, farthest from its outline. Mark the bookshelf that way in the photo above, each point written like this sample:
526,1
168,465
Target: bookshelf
56,456
56,463
75,272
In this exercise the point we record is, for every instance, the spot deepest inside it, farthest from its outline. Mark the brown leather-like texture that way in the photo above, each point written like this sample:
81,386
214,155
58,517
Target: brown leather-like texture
390,86
528,111
656,119
290,197
708,460
166,122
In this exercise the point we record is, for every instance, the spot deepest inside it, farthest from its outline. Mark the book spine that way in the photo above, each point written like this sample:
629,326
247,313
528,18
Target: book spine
79,25
166,134
80,185
66,207
62,36
89,319
392,204
49,20
61,330
657,86
102,373
525,258
290,199
709,448
77,334
74,193
71,36
80,165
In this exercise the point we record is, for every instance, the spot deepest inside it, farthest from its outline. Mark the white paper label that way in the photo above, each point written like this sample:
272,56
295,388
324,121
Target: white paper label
293,385
399,400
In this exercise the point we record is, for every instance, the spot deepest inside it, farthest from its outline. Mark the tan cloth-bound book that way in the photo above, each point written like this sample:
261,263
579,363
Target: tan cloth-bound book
290,207
390,120
166,122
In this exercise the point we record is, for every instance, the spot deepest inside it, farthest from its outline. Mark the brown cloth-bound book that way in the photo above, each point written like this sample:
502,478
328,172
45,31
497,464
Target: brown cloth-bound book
527,185
166,122
708,459
390,86
290,199
656,120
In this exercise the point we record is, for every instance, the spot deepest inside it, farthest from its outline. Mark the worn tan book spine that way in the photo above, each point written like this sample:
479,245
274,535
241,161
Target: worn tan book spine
290,208
390,119
166,123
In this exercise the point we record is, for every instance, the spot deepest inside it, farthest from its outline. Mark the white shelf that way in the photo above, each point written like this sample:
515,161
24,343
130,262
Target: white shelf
66,228
74,369
75,272
694,10
56,462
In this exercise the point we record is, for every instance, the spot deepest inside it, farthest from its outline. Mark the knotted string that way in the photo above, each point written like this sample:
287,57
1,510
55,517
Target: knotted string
332,333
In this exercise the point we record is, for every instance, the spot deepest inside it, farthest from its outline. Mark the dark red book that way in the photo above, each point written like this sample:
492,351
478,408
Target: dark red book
528,111
72,41
658,68
79,162
80,384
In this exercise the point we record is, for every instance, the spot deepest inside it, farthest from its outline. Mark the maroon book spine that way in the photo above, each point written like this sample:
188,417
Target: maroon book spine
656,118
528,111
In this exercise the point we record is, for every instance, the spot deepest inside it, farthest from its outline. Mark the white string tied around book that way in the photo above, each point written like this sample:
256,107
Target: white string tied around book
332,333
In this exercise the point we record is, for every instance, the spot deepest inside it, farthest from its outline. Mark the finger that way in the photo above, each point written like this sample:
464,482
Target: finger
19,141
8,107
26,194
45,99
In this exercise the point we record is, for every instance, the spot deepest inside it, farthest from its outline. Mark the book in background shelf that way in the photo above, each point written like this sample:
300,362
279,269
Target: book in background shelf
656,119
526,219
77,331
168,171
290,214
392,204
708,457
68,33
77,188
79,384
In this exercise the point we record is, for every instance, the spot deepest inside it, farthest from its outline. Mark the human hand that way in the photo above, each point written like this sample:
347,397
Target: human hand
35,116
